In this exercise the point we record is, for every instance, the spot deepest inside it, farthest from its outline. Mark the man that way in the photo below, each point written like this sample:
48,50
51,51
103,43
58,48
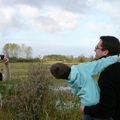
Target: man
109,83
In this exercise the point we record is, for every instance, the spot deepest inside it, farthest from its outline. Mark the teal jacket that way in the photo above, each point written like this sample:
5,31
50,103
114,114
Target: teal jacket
82,82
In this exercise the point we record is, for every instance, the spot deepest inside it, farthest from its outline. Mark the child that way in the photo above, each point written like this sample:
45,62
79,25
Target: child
80,78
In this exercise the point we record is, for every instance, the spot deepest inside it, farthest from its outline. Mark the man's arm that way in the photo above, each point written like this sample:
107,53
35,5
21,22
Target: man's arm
6,68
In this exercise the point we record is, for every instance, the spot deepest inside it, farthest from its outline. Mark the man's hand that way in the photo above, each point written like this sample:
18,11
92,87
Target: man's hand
82,108
5,60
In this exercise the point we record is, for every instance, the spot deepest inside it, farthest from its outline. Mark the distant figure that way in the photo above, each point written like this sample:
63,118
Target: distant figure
6,73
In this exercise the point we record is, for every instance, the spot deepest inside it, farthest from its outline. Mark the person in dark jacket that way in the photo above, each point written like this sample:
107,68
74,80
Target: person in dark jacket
109,83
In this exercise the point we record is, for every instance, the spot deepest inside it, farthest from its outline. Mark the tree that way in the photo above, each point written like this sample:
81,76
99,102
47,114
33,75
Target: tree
28,52
17,51
11,49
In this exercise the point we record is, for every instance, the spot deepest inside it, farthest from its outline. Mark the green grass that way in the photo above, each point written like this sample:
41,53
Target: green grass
27,96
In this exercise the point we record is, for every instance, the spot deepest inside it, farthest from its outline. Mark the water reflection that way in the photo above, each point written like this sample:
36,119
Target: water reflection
61,88
64,104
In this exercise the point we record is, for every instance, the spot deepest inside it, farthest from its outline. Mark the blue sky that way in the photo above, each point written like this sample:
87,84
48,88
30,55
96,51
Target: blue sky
68,27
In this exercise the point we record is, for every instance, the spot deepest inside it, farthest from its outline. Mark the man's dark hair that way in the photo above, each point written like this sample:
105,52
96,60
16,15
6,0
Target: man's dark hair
112,44
60,70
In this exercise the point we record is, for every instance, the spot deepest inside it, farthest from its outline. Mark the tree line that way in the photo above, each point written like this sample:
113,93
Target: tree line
14,50
23,53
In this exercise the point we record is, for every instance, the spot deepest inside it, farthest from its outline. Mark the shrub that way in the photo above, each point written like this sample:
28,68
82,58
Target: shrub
29,100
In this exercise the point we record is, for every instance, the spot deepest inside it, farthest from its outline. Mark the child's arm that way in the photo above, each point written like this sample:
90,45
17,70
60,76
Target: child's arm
99,65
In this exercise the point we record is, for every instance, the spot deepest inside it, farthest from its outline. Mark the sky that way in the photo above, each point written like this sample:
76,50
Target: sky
66,27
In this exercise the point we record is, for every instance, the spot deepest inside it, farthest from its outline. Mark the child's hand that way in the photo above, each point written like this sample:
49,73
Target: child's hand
82,108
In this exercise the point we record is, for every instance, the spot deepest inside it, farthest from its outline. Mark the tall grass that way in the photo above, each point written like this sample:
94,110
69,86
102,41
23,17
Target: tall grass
33,98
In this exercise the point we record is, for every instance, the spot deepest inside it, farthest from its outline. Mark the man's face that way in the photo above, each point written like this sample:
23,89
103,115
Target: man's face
100,51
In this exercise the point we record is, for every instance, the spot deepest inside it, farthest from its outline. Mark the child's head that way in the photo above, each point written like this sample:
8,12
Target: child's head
60,70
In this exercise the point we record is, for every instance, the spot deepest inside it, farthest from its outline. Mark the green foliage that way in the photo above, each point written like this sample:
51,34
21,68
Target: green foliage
58,58
30,95
66,59
14,60
27,101
49,59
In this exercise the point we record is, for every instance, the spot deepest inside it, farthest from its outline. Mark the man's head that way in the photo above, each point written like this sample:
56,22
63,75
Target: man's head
60,70
108,45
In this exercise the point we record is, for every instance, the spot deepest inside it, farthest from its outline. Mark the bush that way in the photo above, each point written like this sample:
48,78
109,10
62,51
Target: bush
29,100
34,98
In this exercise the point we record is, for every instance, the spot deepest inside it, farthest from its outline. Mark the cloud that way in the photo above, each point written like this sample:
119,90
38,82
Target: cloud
10,19
6,17
68,5
48,19
47,15
111,7
51,15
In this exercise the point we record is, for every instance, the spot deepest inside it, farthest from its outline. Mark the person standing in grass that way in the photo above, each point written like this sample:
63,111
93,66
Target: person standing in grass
6,73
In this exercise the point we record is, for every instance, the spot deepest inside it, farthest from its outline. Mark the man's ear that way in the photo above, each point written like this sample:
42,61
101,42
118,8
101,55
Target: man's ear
105,52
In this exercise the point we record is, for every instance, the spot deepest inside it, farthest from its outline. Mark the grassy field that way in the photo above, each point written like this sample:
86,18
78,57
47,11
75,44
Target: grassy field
31,95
